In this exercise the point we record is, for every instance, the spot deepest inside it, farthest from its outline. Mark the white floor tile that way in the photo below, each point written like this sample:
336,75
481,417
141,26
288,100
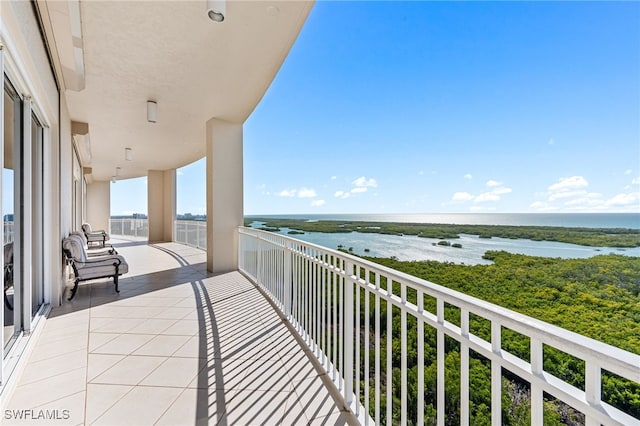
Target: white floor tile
177,346
129,371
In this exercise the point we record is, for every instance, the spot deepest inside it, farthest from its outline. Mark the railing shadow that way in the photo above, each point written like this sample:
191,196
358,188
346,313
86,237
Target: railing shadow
237,332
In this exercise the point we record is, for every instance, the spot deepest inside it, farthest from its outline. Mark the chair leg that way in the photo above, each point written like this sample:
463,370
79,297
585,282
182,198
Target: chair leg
74,289
115,277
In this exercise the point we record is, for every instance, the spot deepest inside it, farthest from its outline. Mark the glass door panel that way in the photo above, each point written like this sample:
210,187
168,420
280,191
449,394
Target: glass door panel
11,144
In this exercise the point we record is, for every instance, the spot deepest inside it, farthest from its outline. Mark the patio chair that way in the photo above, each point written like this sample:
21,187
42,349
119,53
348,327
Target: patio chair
85,268
100,236
8,273
92,251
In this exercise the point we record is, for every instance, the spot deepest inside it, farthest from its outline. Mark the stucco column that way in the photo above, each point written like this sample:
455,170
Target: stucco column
99,204
161,204
224,194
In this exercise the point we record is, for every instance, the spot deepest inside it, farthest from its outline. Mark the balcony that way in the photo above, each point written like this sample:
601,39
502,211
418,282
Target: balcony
314,341
178,345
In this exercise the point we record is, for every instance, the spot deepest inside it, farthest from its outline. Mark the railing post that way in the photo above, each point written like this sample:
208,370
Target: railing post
348,335
593,388
537,400
440,367
403,354
258,260
287,280
496,375
464,367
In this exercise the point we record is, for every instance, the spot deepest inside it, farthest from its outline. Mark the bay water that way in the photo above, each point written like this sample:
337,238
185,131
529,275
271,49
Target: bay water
416,248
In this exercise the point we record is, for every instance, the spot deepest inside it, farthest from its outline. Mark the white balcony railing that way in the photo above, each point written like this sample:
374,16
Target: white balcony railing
192,233
129,227
336,302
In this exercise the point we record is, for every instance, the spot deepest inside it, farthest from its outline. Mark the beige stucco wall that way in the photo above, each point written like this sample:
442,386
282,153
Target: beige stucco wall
224,194
99,204
161,201
169,207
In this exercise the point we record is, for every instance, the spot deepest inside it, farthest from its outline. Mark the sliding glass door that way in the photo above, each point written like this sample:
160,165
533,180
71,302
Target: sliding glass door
23,215
11,143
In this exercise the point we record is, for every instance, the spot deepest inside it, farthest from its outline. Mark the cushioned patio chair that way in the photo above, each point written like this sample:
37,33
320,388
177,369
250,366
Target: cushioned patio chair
86,268
92,251
93,237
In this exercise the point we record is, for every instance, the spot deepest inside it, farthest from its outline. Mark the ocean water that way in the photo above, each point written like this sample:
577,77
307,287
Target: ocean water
580,220
473,248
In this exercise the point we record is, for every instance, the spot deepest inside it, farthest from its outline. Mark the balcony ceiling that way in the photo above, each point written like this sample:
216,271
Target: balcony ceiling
171,52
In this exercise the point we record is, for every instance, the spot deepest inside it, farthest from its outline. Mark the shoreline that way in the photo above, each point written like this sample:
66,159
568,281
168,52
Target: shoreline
629,220
589,237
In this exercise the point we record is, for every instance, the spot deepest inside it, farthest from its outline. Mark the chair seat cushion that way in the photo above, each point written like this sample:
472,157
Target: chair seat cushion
102,266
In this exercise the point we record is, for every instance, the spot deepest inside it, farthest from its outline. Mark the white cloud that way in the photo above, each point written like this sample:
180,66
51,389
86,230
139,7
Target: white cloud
287,193
486,196
481,208
334,177
493,195
567,184
636,181
300,193
360,186
566,194
468,176
462,196
317,203
632,198
502,190
421,172
307,193
584,202
628,172
573,194
363,182
551,142
541,206
179,172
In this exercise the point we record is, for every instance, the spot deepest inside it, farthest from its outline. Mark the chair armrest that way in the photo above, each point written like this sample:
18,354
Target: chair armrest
100,260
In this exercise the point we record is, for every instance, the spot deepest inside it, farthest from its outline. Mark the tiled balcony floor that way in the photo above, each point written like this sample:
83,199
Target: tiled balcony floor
176,346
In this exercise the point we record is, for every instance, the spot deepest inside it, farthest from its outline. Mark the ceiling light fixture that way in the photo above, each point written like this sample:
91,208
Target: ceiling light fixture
152,111
128,154
117,171
216,10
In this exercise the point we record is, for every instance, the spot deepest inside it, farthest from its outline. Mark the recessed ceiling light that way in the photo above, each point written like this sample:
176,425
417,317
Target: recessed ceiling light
216,10
152,111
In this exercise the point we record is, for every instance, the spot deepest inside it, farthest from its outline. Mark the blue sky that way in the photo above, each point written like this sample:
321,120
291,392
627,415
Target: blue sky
425,107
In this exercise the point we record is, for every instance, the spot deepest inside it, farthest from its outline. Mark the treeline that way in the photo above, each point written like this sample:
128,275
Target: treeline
594,237
596,297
